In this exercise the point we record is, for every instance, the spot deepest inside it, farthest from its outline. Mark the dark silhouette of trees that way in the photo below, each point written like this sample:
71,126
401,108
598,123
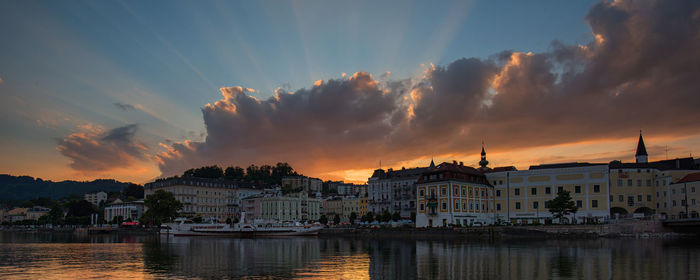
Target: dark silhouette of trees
269,174
133,190
323,219
212,172
353,217
234,173
162,206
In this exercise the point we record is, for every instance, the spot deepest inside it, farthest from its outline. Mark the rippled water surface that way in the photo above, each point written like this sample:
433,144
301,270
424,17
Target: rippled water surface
67,256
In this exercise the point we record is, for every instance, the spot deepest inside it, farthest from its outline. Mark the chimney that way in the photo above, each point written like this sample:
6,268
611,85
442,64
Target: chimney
461,163
454,162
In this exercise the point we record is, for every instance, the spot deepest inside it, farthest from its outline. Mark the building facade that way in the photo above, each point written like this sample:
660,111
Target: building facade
358,205
276,208
207,198
305,183
521,196
394,190
132,210
96,198
681,198
454,194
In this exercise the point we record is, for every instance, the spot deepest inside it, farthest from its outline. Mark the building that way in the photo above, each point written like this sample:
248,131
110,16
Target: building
36,212
96,198
353,204
207,198
305,183
15,215
394,190
132,210
680,199
521,196
641,188
454,194
332,206
270,207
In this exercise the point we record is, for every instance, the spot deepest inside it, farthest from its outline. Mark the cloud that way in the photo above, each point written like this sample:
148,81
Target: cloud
641,70
125,107
1,80
94,149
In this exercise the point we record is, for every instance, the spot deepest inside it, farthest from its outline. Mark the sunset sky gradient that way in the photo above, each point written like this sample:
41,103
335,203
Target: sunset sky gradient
135,90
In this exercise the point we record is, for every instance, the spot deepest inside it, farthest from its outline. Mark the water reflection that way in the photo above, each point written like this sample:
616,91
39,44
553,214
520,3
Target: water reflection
39,256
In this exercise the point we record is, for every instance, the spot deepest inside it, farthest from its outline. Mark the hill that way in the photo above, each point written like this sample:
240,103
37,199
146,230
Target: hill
20,188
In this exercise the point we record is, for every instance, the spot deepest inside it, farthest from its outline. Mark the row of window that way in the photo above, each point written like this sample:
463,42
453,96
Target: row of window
630,183
548,190
536,204
472,206
673,202
465,192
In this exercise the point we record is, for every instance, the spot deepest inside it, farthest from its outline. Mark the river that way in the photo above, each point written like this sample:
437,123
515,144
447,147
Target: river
68,256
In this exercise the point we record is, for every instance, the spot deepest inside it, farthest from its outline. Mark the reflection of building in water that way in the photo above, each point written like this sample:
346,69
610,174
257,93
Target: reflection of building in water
233,258
391,259
591,259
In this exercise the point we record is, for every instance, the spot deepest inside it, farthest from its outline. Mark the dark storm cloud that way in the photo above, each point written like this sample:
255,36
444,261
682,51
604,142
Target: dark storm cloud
640,71
96,150
124,106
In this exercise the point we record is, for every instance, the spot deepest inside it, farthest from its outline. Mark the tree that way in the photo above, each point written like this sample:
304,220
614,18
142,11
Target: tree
369,217
133,190
80,208
162,206
234,173
336,219
212,172
353,217
562,205
396,216
55,215
323,220
386,216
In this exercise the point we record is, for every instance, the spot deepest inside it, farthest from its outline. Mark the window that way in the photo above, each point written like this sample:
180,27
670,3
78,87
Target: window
498,206
548,190
456,191
639,183
498,193
443,191
517,205
611,198
464,192
500,182
683,202
657,194
560,189
477,206
673,191
648,182
594,203
456,205
577,189
535,204
533,191
546,204
639,198
444,206
692,189
648,197
422,207
629,182
619,182
421,193
692,202
464,206
517,191
596,188
674,203
579,203
630,200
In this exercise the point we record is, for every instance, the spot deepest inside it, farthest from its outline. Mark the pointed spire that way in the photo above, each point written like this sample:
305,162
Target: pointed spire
641,155
432,163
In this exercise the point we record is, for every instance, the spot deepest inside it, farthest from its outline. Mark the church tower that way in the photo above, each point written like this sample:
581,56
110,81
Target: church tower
483,163
641,154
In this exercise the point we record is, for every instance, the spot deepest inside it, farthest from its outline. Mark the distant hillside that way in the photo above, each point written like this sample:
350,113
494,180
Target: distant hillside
19,188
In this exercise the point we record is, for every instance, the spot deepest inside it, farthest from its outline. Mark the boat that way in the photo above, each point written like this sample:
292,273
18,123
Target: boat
184,227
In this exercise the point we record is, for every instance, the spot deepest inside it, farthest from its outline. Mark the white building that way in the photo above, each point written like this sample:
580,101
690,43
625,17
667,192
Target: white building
306,183
275,208
96,198
127,210
394,190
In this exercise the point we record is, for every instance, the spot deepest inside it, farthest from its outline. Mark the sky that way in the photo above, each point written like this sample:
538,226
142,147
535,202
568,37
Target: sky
136,90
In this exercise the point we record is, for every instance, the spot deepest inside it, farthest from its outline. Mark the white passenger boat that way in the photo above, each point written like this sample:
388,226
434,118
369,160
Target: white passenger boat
184,227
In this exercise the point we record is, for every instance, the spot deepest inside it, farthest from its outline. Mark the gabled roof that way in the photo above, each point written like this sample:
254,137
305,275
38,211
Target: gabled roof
670,164
692,177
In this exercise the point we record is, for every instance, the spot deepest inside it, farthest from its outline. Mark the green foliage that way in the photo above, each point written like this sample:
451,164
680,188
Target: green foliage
228,221
562,205
20,188
213,172
336,219
117,220
133,190
197,219
396,216
386,216
413,217
234,173
27,204
80,208
369,217
353,217
323,220
162,206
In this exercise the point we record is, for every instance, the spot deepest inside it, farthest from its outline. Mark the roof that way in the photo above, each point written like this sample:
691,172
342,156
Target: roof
641,149
501,169
692,177
399,174
454,171
564,165
17,211
671,164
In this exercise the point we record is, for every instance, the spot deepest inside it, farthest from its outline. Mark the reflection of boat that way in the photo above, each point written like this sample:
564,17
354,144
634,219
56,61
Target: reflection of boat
184,227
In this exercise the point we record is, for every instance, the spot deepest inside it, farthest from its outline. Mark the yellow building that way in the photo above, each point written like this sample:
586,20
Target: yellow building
454,194
680,198
354,204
